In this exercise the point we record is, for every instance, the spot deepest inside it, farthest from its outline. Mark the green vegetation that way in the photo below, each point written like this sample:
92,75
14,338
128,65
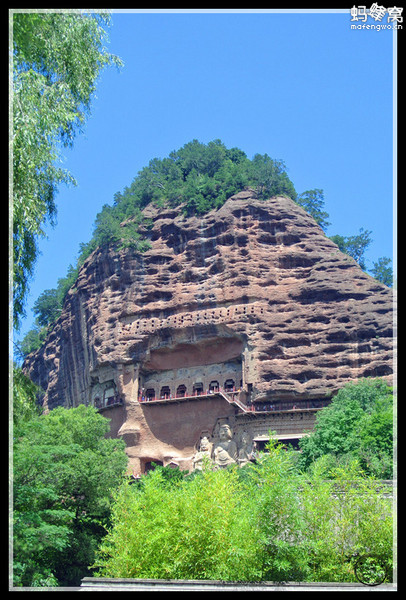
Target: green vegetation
201,177
198,177
313,203
56,61
382,271
64,472
287,517
263,522
25,393
46,309
199,525
357,425
354,245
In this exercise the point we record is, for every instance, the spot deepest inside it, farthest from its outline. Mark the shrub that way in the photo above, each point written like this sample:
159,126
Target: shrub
201,528
266,521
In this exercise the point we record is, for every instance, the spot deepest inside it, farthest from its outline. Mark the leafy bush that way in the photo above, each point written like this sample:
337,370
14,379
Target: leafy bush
266,521
344,514
358,424
276,485
201,528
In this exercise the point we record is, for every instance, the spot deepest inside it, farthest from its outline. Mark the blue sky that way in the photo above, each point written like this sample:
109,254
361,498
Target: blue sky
301,87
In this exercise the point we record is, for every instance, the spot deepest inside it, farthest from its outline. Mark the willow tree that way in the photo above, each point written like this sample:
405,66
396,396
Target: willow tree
56,59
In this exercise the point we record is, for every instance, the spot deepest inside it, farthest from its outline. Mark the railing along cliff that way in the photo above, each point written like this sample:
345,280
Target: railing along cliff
230,397
233,398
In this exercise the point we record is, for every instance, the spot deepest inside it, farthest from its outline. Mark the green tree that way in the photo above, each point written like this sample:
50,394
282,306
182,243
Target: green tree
57,58
47,307
313,202
373,438
357,424
270,178
199,177
25,392
200,528
64,472
33,339
382,271
354,245
275,487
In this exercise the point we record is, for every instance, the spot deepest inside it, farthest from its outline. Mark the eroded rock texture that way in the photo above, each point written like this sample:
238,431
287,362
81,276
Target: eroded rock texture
252,296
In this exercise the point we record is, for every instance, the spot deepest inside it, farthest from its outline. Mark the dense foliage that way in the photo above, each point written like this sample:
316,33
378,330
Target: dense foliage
198,526
261,522
358,424
64,472
198,177
57,58
288,516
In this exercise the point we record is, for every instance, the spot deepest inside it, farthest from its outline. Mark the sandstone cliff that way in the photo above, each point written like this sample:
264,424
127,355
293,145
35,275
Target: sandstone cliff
255,286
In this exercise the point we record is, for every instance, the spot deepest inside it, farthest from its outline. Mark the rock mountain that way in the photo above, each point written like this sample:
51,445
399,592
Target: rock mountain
248,315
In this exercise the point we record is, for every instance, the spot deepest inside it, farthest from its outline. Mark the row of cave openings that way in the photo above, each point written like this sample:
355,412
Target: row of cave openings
181,391
194,318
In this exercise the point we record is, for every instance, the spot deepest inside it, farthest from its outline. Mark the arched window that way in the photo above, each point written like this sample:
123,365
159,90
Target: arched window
165,392
229,385
181,391
214,386
198,388
150,394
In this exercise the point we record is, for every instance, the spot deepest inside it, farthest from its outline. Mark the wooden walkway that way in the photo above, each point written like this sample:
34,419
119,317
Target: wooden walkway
231,399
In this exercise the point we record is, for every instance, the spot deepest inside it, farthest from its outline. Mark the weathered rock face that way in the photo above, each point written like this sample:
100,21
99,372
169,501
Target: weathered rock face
252,296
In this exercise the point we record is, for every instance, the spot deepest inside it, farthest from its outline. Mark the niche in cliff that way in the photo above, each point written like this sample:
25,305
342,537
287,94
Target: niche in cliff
192,354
